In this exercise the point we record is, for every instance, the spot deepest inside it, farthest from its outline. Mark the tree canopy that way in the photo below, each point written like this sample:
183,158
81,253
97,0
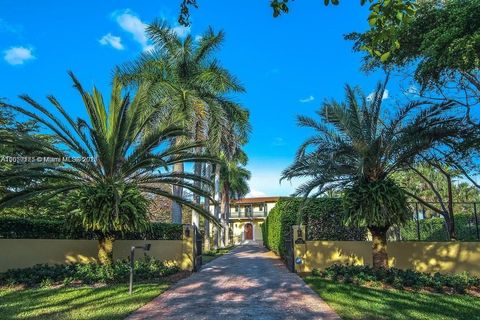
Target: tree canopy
384,19
442,41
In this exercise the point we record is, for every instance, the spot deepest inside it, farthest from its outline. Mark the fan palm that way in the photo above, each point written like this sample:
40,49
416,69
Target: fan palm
190,85
357,150
109,193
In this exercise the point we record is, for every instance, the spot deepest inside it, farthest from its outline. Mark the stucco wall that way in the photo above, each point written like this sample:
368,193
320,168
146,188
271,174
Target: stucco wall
21,253
238,229
444,257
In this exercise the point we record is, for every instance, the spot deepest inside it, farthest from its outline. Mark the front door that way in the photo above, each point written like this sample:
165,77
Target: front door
248,231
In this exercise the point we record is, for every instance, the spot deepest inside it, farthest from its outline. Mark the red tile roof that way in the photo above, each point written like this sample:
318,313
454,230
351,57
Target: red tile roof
255,200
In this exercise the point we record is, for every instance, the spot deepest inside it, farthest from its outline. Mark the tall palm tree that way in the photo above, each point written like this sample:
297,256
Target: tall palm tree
189,83
234,185
123,162
356,149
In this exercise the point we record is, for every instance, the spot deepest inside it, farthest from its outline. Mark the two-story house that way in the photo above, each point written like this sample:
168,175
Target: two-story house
247,215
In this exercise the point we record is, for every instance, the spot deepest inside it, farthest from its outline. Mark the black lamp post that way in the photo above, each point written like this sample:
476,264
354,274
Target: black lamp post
145,247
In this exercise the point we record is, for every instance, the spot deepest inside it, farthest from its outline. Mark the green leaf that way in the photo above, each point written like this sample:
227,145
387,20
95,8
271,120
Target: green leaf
384,57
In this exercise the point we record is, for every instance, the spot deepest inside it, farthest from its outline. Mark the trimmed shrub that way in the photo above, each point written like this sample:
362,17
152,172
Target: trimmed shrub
399,279
25,228
323,218
147,268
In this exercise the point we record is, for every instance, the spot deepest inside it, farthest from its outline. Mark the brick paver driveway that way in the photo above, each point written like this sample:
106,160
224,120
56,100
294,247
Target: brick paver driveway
247,283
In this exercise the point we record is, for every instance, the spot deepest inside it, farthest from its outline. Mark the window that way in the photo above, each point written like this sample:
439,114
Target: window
260,208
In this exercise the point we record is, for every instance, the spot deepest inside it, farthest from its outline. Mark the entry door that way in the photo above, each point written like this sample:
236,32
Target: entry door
248,231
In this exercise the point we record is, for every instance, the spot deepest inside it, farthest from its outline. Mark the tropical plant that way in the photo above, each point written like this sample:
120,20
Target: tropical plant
109,163
191,88
357,150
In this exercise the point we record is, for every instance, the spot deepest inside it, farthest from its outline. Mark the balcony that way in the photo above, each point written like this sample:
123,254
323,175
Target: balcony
242,214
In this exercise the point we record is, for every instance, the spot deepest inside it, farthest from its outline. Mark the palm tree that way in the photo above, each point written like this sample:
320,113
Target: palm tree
188,83
233,184
357,150
123,162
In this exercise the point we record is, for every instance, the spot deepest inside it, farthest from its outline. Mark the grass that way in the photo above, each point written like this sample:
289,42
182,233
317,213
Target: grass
355,302
208,256
88,303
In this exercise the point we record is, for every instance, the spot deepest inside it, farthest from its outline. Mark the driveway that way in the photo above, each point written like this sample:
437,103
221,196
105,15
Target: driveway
247,283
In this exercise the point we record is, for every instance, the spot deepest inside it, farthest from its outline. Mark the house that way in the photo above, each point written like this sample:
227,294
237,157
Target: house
247,216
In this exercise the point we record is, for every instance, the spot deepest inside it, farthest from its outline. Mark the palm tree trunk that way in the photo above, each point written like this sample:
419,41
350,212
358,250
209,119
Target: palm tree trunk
206,225
105,249
225,214
196,198
217,204
379,246
176,208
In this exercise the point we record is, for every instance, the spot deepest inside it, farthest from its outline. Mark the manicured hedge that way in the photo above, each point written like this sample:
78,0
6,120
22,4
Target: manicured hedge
434,229
323,218
25,228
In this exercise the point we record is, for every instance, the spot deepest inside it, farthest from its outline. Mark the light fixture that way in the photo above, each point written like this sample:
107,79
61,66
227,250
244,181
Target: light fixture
145,247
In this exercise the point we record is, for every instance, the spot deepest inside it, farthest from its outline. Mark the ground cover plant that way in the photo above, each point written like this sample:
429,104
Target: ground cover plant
145,269
401,279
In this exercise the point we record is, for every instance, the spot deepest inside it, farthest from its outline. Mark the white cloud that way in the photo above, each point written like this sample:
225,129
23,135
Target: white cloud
131,23
307,99
198,38
412,89
148,49
114,41
385,95
18,55
181,31
255,194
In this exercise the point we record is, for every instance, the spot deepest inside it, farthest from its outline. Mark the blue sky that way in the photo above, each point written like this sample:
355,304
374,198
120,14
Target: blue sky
288,65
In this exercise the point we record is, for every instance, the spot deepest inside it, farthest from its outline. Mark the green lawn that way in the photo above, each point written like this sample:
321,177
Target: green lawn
86,303
354,302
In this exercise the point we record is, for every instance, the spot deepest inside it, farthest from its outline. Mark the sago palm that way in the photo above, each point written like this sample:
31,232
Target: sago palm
190,85
355,149
124,163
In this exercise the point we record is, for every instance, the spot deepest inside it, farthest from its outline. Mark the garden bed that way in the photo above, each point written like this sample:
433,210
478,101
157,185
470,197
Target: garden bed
408,280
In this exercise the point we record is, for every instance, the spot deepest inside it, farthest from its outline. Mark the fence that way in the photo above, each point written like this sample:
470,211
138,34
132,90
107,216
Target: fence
428,225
